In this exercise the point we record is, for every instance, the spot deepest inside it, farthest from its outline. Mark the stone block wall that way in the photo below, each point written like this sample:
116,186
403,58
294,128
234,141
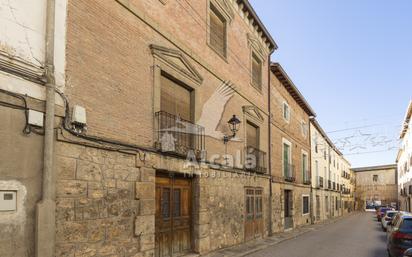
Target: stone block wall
105,203
299,219
223,200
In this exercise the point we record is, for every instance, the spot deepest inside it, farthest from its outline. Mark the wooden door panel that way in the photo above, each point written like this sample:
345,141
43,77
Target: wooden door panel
173,216
254,213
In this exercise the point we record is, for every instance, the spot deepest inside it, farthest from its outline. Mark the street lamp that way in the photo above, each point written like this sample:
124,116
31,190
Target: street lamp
234,123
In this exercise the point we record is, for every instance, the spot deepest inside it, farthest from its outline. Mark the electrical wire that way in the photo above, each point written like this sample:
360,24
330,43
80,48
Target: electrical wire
99,140
27,128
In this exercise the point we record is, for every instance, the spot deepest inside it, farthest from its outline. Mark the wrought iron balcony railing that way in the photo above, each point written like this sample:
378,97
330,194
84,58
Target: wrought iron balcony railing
177,136
289,173
255,160
307,178
319,182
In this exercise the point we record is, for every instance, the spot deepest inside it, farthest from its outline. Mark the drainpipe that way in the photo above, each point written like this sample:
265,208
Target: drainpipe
45,209
312,218
270,231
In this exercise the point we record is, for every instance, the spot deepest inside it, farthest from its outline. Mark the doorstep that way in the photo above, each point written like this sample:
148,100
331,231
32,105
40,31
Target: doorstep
260,244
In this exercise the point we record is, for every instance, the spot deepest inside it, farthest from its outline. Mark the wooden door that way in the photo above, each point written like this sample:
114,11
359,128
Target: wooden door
317,208
173,216
254,213
288,208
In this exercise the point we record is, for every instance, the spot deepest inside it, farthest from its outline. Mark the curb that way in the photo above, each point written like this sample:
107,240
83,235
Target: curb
307,229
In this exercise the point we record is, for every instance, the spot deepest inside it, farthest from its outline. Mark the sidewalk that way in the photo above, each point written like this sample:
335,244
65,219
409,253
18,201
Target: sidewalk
258,245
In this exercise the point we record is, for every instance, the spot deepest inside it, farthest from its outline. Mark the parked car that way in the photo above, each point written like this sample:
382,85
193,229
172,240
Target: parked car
370,208
387,218
399,234
381,212
408,253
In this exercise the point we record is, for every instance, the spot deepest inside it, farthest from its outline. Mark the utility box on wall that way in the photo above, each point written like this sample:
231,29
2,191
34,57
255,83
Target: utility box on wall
8,201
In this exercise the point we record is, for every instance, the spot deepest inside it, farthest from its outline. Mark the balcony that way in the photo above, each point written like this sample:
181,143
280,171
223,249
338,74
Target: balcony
255,160
346,191
319,182
338,187
329,184
333,186
176,136
289,173
307,178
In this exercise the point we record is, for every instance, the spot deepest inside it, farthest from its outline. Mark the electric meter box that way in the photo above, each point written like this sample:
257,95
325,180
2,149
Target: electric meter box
8,201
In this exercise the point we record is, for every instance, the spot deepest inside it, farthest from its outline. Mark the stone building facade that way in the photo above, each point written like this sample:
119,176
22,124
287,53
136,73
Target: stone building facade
404,163
376,184
333,191
169,206
290,142
138,76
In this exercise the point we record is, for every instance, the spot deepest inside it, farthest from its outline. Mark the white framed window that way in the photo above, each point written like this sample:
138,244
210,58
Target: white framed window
305,205
315,142
305,167
304,128
286,111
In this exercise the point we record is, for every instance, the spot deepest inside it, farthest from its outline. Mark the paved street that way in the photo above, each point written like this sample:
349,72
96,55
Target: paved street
359,235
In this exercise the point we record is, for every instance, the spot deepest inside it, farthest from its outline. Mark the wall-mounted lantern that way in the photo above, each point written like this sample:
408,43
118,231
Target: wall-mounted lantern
234,123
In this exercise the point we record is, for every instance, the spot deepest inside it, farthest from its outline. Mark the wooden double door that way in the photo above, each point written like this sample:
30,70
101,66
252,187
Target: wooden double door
173,222
254,213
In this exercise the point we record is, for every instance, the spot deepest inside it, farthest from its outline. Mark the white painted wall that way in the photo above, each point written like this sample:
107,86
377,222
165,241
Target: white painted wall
22,29
22,37
405,157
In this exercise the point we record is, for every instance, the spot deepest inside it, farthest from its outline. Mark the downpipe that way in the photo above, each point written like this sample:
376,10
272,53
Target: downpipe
270,230
46,208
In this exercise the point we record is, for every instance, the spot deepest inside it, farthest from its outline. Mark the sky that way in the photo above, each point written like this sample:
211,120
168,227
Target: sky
352,60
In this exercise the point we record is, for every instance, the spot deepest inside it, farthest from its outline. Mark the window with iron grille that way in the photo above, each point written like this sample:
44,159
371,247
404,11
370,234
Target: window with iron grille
217,31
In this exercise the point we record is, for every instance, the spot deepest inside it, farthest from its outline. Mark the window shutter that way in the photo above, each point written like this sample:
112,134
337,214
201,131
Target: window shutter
175,99
256,71
252,133
217,31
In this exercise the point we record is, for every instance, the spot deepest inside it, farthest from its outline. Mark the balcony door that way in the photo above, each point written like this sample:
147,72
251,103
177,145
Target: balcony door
175,118
254,213
175,98
287,160
252,147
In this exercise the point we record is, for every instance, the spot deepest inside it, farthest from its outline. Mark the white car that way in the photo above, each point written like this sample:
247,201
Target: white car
388,217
